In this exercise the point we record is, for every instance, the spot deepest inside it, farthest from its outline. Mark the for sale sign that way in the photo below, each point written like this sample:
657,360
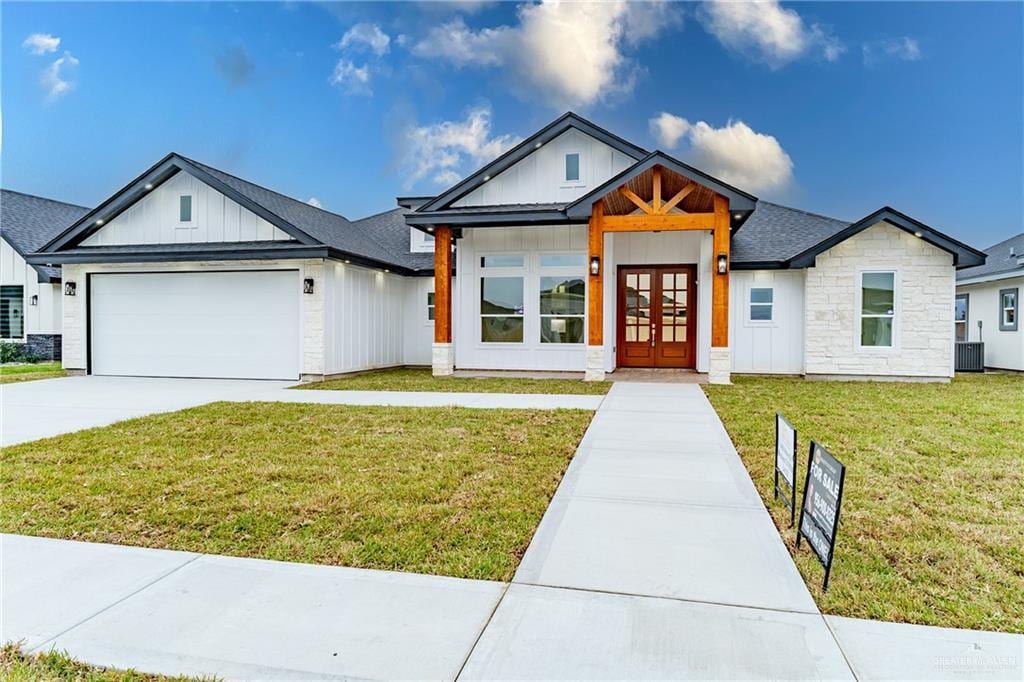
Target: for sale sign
823,495
785,464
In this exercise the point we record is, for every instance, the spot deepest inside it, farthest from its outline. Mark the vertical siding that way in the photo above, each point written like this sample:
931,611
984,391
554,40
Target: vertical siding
764,347
155,219
540,177
43,318
365,319
418,330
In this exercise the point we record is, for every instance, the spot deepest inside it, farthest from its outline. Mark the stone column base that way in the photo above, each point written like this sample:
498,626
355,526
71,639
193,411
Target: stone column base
594,370
720,366
443,360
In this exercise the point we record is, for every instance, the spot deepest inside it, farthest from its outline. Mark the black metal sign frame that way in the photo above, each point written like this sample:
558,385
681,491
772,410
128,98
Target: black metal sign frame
828,533
789,501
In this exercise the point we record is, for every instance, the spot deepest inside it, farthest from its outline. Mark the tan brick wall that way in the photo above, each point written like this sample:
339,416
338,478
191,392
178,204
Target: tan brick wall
923,338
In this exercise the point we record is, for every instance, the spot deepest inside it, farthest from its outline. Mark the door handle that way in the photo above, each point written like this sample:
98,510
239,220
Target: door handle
654,333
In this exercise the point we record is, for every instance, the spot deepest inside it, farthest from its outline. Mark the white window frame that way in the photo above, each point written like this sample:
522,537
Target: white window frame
520,271
896,310
191,222
578,182
750,321
542,271
431,307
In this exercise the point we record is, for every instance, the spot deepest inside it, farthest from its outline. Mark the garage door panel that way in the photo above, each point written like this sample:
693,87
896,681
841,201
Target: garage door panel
209,324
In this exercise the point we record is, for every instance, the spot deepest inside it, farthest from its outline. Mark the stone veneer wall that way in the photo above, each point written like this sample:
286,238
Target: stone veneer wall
44,346
923,339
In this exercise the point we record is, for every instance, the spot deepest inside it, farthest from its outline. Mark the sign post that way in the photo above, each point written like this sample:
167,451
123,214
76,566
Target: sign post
823,491
785,463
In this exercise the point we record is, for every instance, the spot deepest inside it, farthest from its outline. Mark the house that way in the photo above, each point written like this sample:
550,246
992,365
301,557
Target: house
576,250
988,304
30,296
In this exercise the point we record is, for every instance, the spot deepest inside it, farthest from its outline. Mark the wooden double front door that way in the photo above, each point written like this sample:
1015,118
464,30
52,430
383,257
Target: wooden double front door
657,323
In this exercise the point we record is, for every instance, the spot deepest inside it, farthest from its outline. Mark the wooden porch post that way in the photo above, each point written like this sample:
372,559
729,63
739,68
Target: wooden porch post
720,364
443,353
595,296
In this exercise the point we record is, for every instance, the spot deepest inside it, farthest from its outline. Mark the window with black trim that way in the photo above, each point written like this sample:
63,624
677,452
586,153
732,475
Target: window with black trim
12,312
1009,307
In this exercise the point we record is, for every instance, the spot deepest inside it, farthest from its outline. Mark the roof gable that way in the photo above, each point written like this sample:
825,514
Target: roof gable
546,134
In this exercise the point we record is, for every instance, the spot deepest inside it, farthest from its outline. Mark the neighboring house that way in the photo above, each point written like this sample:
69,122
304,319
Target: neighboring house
988,304
577,250
30,296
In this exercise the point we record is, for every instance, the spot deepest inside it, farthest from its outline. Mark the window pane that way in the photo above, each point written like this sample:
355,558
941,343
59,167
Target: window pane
12,301
680,280
572,166
876,331
515,261
561,330
185,209
563,260
877,293
760,312
430,305
561,296
500,295
961,331
501,329
666,280
761,295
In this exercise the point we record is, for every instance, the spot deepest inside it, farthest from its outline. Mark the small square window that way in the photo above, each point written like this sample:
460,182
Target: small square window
572,167
185,208
761,302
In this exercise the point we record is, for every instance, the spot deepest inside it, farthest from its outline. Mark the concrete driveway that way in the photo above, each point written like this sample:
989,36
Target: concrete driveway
40,409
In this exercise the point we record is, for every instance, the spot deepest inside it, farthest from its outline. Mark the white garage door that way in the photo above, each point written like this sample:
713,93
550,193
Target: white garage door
239,325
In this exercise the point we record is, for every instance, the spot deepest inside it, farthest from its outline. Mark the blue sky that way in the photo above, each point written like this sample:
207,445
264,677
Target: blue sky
838,108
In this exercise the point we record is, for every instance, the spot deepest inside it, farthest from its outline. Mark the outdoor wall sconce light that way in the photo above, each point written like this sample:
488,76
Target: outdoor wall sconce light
595,265
723,264
34,300
307,285
69,288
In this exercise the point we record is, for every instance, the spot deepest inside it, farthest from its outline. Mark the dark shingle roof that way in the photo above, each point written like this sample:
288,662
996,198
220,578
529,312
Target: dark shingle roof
389,230
27,222
999,259
775,233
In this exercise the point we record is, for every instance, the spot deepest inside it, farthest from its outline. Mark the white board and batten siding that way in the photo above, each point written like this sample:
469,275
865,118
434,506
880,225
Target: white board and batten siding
155,219
767,346
539,178
45,316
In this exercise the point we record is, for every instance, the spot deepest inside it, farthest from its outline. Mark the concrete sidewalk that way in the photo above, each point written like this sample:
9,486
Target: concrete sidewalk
51,407
655,560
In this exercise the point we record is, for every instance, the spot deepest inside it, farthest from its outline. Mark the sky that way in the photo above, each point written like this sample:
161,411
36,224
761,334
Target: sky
835,108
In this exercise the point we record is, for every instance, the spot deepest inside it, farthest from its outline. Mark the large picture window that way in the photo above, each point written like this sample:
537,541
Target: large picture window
877,309
501,309
1008,309
12,312
562,301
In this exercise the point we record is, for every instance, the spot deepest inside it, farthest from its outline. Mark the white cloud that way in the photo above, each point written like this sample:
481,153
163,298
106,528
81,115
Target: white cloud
41,43
366,36
734,153
905,49
668,129
56,78
572,52
767,32
438,150
314,202
355,80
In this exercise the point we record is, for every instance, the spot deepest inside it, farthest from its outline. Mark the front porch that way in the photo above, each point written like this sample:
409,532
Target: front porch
643,284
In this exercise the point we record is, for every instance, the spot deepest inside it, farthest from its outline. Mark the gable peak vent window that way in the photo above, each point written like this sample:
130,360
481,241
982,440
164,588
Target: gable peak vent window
185,208
572,167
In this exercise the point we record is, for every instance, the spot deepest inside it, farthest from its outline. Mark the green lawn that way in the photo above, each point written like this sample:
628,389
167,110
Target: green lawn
416,379
54,666
450,491
10,374
932,524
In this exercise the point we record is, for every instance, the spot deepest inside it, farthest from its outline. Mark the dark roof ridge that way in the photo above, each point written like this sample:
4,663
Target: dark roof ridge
42,198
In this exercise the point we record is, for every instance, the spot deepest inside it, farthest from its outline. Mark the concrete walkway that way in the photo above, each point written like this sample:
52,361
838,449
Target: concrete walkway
655,560
51,407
